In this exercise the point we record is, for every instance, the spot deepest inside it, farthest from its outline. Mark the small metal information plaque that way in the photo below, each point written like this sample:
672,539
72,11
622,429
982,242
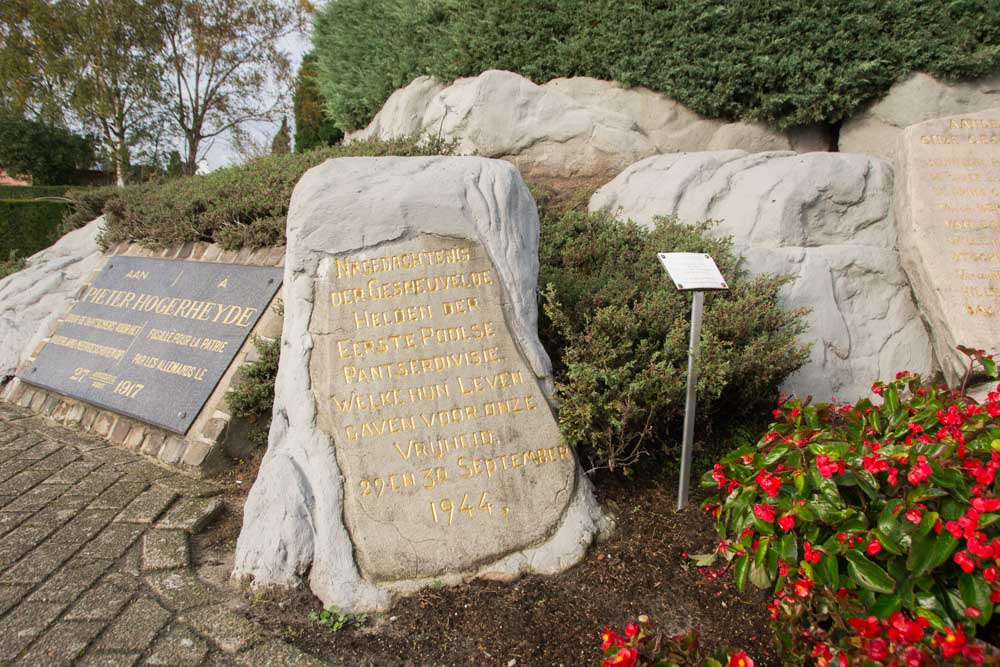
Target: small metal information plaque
692,271
151,338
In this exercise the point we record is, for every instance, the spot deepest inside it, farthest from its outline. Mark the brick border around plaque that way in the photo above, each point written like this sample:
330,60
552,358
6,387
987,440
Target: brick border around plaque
202,450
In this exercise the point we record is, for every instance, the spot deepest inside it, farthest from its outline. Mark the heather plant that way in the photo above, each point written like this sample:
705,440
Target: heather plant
875,523
618,330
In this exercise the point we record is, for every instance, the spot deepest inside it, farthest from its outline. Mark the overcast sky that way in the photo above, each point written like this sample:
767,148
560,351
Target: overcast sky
222,153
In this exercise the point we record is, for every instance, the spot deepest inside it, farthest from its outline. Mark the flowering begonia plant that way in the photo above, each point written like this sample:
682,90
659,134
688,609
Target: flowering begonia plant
876,524
641,645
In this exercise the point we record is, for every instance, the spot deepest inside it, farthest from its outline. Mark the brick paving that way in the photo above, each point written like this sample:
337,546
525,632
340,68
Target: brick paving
95,562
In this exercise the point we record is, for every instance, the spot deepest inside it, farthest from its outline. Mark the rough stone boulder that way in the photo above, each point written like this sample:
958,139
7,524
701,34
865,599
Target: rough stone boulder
578,127
411,439
825,218
915,99
31,299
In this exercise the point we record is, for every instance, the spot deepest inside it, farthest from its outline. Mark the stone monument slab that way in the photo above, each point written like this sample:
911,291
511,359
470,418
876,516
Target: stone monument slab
412,440
151,338
948,216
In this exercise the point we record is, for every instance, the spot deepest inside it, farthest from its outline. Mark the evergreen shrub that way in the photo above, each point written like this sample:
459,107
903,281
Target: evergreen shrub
785,62
27,226
618,332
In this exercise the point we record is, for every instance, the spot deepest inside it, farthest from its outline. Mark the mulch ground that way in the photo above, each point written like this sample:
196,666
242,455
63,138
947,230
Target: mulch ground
535,620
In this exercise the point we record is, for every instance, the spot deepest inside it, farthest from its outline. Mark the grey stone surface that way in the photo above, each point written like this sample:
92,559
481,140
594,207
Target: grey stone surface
148,506
948,215
917,98
576,127
165,550
178,646
277,653
191,514
824,218
364,209
32,299
62,644
229,630
136,627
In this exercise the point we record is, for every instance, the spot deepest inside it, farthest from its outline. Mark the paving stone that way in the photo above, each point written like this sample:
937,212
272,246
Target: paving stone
131,564
41,450
22,481
73,472
92,485
165,550
12,467
277,653
23,625
124,581
191,514
110,660
37,498
136,627
39,564
118,495
20,541
113,541
153,443
144,471
58,460
11,520
148,506
113,455
230,631
87,524
53,517
26,442
181,590
101,603
71,580
10,596
189,487
62,644
65,502
9,435
178,646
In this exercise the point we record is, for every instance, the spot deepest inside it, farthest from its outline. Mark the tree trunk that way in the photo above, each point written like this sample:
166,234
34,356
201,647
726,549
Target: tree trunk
191,159
121,161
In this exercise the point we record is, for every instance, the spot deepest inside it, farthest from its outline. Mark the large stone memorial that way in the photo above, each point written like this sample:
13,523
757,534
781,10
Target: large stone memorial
411,439
948,216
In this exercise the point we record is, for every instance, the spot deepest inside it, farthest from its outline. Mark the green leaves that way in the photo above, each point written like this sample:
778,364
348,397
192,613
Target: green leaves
868,574
930,552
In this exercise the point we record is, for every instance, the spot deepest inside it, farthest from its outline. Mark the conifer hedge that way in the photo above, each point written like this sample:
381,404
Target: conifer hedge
786,62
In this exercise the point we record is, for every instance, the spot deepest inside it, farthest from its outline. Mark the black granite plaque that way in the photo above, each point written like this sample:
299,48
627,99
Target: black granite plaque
151,338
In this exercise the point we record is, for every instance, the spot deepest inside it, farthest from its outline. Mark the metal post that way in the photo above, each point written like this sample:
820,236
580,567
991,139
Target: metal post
692,384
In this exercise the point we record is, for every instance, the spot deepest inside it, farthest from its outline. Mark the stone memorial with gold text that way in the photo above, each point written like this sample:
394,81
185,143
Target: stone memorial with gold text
948,218
412,441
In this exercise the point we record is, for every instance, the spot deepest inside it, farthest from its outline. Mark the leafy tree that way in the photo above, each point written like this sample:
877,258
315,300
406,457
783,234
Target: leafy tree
114,68
49,154
174,166
312,126
221,55
282,142
30,77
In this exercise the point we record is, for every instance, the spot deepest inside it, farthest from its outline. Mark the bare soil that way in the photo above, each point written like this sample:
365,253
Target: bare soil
641,569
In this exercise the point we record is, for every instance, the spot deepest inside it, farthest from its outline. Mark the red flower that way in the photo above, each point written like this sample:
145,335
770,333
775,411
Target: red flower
990,573
877,388
811,555
625,657
964,561
919,472
786,522
913,515
952,642
610,638
631,630
802,586
718,475
769,483
827,467
873,547
904,629
877,649
764,512
867,628
740,659
972,612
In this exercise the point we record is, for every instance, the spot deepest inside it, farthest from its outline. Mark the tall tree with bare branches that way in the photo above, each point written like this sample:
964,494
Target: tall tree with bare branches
226,66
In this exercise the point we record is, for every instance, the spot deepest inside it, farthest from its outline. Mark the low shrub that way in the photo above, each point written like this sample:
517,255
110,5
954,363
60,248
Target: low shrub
618,332
27,225
12,264
86,204
252,397
876,524
237,207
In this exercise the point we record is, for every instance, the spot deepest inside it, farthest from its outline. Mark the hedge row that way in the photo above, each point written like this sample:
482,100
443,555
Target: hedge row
27,226
784,61
237,207
31,191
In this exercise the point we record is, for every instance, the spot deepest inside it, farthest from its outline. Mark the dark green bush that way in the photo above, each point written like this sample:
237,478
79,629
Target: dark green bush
31,191
252,396
48,153
618,331
785,61
27,226
238,206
